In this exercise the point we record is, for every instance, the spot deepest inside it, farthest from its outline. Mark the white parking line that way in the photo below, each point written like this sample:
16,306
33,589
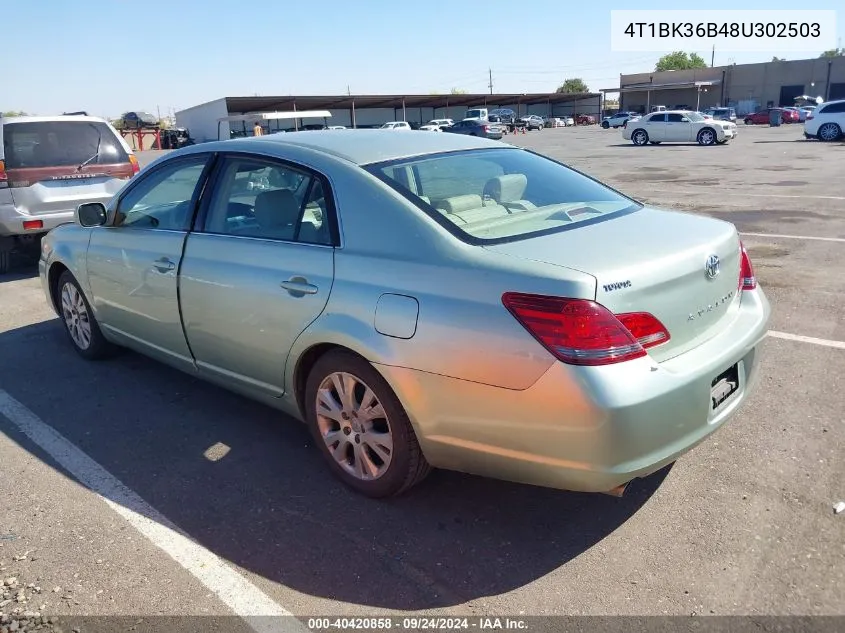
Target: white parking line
807,339
797,237
235,591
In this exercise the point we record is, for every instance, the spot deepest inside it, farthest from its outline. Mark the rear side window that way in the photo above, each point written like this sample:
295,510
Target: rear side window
60,144
834,108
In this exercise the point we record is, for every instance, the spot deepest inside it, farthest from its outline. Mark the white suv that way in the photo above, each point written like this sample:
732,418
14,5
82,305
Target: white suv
827,123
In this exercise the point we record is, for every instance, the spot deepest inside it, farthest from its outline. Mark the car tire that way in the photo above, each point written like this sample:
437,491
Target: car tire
707,136
829,132
365,465
605,124
639,137
80,323
747,121
655,142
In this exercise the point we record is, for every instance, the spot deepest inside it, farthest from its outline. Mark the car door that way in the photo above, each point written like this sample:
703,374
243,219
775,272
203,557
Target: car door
257,270
655,125
133,262
678,128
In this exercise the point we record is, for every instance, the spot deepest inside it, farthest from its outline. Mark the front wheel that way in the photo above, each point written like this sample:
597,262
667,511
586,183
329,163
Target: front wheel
80,322
640,137
748,121
361,427
706,137
606,125
829,132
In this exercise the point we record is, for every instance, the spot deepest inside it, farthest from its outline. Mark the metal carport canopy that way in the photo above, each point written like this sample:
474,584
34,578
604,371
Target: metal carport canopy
244,105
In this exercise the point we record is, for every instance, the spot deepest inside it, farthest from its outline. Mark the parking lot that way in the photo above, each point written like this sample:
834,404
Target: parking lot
744,524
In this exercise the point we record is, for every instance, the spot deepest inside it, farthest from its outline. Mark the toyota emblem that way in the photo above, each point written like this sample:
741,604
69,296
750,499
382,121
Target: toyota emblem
711,266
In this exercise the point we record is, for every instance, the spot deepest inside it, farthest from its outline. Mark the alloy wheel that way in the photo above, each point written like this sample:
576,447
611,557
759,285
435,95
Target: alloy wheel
829,132
354,426
76,317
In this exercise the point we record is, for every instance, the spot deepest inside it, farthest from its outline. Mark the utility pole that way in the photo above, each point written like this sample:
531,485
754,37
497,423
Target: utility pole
490,71
348,91
713,56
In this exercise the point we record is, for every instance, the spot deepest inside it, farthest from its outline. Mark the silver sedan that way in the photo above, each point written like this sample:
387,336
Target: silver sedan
423,300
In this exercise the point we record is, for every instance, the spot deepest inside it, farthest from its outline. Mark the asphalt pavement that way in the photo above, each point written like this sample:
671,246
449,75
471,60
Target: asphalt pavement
744,524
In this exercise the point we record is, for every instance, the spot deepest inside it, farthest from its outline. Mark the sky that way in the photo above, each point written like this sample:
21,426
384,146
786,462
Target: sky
111,56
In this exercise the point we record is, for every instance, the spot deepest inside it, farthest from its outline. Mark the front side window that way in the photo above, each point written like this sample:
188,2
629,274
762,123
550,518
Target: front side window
164,198
269,200
487,196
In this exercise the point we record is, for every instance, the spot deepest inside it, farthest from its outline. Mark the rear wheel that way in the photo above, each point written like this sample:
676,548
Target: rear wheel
747,121
361,427
79,320
639,137
829,132
605,124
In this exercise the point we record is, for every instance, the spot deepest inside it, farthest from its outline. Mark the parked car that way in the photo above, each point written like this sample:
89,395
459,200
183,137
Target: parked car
431,128
763,117
174,138
722,114
554,122
533,122
585,119
48,165
827,123
608,364
396,125
805,111
474,127
679,127
569,121
136,120
476,114
791,115
617,120
441,123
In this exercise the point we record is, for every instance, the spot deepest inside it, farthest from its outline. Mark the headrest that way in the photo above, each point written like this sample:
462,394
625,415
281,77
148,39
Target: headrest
456,204
506,188
276,208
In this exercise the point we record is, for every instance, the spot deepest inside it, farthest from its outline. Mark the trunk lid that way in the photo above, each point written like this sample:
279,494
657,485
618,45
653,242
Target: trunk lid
652,261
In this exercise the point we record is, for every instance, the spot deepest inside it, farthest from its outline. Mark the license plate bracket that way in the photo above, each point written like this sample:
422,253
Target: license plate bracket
724,386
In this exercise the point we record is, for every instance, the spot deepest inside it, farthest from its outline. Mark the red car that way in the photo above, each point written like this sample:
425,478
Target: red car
761,117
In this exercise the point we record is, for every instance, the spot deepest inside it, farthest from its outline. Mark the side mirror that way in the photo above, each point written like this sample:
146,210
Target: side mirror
684,120
91,214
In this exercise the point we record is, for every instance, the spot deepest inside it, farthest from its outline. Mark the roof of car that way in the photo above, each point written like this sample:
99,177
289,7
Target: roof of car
373,145
55,117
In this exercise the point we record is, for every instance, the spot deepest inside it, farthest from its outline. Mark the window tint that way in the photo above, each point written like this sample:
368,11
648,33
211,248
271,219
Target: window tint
834,108
162,200
264,199
60,144
501,194
675,117
657,118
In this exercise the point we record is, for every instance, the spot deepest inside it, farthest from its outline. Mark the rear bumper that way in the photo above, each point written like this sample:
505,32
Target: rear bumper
12,219
584,428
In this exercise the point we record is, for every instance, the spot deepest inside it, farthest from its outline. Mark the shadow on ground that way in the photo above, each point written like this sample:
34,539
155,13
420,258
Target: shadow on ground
271,506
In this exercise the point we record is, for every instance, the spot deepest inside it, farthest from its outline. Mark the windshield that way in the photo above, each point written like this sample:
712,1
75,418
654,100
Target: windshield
473,114
60,144
694,116
493,195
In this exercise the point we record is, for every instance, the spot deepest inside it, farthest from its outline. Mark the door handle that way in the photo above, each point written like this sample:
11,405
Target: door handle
299,287
163,265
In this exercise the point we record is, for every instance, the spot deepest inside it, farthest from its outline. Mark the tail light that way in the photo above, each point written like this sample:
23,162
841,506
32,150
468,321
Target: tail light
809,116
583,332
485,128
4,178
134,162
747,280
33,225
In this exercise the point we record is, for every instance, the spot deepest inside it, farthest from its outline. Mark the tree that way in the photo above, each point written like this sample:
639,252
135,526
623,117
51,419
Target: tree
679,60
573,86
778,59
834,52
12,113
458,91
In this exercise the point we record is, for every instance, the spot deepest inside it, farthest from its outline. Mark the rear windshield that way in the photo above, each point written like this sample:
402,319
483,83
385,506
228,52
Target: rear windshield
498,195
60,144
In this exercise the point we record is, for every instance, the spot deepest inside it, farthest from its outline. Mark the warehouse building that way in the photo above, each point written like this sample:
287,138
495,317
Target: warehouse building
746,87
223,118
